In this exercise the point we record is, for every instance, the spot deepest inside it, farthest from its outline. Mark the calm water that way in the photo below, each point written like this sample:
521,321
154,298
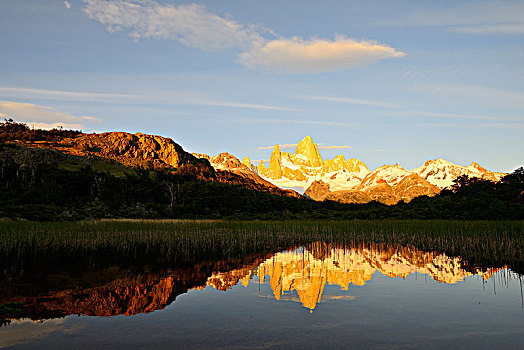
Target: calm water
319,295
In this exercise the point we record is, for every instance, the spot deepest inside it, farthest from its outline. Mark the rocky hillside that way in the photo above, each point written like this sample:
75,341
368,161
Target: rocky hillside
136,150
142,151
160,152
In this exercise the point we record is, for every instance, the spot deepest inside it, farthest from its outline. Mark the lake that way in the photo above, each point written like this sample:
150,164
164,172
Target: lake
339,291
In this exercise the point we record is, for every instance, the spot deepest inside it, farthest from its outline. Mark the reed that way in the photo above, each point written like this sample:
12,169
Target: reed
26,244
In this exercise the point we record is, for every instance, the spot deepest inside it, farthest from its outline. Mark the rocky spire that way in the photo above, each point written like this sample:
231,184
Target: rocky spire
275,168
309,151
247,162
261,168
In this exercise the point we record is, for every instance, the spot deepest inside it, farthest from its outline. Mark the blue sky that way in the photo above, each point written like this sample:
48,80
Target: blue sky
390,81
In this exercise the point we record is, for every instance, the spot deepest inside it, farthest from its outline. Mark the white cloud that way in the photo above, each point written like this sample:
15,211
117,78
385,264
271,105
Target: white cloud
297,55
195,26
42,116
191,24
67,4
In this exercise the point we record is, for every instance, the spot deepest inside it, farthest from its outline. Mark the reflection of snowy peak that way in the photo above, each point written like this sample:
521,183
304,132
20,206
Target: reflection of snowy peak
308,270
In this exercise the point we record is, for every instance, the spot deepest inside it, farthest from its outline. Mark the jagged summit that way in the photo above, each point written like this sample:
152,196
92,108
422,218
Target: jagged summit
306,165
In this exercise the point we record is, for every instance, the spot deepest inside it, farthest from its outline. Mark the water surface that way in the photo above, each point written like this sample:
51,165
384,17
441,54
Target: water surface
316,295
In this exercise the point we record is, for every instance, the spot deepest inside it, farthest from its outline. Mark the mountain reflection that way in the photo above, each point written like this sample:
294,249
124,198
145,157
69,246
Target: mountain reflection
305,269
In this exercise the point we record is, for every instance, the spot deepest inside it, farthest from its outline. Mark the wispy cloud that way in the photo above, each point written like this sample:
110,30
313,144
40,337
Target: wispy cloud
44,117
67,4
474,17
334,147
477,92
349,100
245,105
93,120
293,121
452,115
194,25
191,24
481,92
294,145
500,125
284,146
297,55
165,98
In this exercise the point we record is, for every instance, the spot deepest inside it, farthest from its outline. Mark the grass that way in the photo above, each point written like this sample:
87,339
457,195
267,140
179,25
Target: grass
24,244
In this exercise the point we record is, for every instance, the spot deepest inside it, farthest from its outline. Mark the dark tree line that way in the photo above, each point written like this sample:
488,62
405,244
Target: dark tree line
14,131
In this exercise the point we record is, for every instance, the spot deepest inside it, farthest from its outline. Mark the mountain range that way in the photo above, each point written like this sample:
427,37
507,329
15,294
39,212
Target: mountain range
350,181
337,179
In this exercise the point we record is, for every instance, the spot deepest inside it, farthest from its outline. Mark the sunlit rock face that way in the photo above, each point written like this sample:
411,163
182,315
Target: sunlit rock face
134,150
307,153
306,271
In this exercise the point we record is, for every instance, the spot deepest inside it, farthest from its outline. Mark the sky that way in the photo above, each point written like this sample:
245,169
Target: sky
384,81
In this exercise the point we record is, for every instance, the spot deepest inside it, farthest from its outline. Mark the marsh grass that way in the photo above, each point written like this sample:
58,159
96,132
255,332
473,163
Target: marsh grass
27,245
